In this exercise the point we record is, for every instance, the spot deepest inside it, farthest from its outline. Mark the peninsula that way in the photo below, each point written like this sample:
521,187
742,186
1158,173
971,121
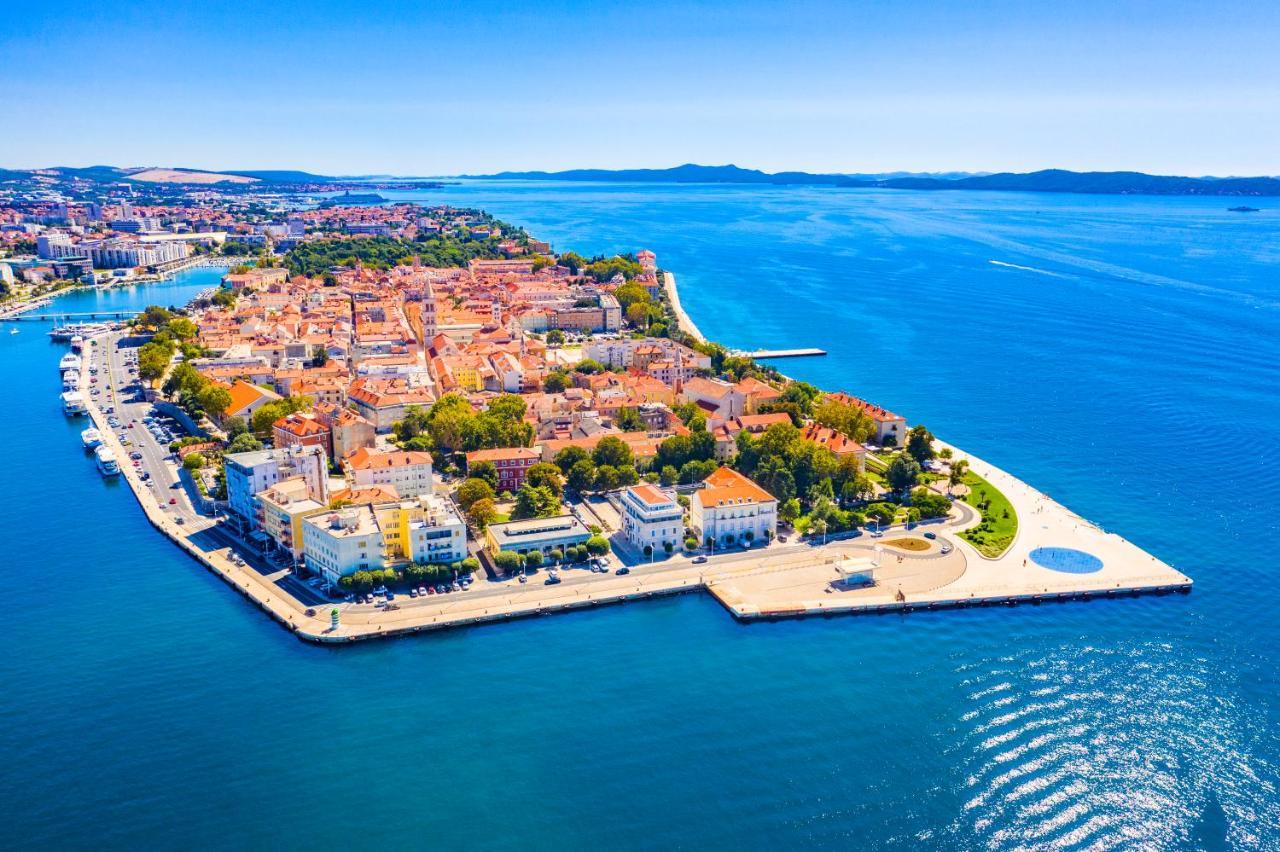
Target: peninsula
399,418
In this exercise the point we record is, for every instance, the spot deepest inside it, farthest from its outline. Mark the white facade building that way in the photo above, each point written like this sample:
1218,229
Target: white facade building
651,516
409,473
249,474
731,509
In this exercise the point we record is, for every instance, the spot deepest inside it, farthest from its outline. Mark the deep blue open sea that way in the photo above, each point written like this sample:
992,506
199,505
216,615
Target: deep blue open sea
1119,353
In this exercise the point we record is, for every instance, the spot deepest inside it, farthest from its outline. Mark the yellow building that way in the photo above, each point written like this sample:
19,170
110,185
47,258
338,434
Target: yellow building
281,510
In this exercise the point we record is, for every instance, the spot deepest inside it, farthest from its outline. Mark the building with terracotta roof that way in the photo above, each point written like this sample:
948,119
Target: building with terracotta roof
727,433
247,398
383,401
651,518
731,509
890,427
300,430
409,473
348,431
837,442
512,464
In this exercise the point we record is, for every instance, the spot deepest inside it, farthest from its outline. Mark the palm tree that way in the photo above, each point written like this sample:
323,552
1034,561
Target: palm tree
958,470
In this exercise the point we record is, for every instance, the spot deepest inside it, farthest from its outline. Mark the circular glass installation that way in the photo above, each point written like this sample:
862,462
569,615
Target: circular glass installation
1066,559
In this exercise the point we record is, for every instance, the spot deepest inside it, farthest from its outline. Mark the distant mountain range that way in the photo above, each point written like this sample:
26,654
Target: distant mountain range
112,174
1048,180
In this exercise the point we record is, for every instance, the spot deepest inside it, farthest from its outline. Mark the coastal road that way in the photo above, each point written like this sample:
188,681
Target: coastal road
119,389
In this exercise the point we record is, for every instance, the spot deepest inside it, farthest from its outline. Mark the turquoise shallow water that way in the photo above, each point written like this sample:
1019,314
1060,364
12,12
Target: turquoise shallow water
1119,353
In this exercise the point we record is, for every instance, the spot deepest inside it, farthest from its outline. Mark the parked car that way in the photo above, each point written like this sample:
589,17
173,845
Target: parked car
413,593
698,560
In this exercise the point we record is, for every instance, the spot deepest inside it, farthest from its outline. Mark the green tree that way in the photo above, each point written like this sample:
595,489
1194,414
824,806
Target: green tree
193,461
569,456
546,475
555,337
555,382
507,562
534,501
533,560
903,473
598,545
612,451
235,426
214,399
930,504
582,475
920,444
789,510
472,490
486,471
629,420
482,512
244,443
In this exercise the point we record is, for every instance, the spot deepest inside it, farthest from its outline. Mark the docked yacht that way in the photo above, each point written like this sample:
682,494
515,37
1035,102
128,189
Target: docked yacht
70,361
73,403
91,438
107,461
70,380
76,342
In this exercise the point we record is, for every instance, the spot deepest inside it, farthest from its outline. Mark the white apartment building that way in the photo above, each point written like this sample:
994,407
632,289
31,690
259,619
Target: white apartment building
651,516
342,542
249,474
56,245
358,538
731,509
113,254
409,473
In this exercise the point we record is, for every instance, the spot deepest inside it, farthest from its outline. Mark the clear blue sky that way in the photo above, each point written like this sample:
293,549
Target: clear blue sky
442,88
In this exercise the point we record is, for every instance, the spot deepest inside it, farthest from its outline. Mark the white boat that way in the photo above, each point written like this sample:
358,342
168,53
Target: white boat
91,438
73,403
76,342
70,380
13,331
70,361
107,461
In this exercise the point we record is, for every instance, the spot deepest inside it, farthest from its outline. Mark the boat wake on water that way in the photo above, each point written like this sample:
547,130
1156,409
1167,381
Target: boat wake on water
1026,268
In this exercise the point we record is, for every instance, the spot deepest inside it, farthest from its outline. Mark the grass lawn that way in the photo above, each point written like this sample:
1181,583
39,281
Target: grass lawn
999,520
501,517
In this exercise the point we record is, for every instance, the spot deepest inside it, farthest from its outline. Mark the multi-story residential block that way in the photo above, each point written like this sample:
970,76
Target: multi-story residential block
282,509
300,430
348,431
731,509
249,474
651,518
409,473
512,464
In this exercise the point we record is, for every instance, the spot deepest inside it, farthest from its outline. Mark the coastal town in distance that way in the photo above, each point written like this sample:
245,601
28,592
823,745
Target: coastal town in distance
392,418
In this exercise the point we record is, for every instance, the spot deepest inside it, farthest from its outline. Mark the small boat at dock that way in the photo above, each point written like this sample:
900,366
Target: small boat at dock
70,361
91,438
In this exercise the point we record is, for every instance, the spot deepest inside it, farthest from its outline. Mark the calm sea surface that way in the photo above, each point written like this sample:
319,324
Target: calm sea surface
1119,353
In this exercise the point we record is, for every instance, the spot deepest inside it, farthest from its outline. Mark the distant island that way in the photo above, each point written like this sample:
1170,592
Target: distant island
1047,180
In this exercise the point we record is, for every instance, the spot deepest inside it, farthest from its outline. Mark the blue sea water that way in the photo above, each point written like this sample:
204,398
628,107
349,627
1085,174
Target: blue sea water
1119,353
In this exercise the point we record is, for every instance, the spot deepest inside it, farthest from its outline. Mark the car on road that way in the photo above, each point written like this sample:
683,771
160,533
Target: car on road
135,455
624,570
179,520
931,536
946,548
551,581
698,560
173,501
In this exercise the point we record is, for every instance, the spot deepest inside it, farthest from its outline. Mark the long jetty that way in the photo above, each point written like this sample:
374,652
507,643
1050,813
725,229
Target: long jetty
786,353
